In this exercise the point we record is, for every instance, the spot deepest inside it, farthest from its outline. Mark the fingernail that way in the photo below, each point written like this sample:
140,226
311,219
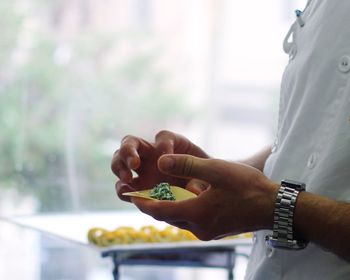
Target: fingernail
167,163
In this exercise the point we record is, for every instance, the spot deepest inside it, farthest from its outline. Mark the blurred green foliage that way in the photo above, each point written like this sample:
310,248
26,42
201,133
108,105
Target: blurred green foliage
63,101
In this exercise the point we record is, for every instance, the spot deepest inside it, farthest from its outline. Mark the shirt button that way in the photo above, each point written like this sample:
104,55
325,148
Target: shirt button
344,64
312,161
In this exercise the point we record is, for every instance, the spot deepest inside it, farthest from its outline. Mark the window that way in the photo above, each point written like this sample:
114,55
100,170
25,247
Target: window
76,76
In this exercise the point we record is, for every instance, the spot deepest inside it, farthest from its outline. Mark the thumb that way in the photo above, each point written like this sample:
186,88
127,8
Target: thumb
186,166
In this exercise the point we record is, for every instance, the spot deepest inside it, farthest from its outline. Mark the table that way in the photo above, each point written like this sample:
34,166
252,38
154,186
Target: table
185,254
74,227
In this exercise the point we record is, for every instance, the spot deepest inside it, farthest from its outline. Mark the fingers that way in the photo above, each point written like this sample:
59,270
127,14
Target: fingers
186,166
165,142
168,211
189,214
168,142
127,158
120,169
129,151
121,188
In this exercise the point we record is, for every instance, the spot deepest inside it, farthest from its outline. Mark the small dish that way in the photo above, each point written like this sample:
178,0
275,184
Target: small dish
179,193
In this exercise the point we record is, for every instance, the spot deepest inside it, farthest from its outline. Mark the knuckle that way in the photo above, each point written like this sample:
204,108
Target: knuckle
128,149
163,133
115,160
126,146
218,173
165,141
116,168
127,138
116,153
187,166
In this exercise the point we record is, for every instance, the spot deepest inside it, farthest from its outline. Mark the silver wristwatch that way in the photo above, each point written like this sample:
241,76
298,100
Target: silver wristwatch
283,235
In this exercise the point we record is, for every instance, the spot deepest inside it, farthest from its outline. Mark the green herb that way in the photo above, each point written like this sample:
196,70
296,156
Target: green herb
162,191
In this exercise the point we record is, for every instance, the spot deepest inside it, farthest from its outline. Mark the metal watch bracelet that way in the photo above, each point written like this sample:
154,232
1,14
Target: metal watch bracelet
283,233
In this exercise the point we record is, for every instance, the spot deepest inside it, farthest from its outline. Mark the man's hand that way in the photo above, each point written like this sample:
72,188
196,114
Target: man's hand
138,155
240,198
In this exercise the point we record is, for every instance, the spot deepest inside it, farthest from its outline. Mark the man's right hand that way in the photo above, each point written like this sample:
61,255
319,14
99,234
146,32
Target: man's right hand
138,155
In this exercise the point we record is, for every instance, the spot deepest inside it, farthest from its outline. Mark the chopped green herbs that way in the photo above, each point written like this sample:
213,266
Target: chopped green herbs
162,191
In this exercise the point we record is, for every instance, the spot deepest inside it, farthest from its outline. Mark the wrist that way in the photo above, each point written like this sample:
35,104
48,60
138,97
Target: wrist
273,189
266,206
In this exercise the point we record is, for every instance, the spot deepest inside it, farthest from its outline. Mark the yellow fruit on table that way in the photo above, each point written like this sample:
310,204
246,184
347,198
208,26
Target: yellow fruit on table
146,234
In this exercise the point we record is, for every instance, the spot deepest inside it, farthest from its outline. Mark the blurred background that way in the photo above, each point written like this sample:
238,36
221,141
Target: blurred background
78,75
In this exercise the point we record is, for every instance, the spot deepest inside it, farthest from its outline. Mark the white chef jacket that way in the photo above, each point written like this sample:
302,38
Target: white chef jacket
313,138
